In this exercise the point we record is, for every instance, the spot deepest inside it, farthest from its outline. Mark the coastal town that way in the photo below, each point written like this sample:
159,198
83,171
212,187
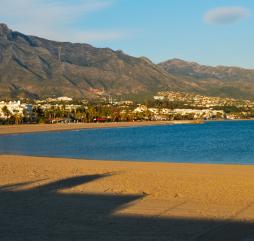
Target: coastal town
124,120
164,106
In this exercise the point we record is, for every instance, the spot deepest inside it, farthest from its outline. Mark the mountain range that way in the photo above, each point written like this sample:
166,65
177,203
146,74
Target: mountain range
33,67
214,81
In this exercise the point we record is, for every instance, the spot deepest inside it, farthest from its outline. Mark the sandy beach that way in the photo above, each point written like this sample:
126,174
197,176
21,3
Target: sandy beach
28,128
64,199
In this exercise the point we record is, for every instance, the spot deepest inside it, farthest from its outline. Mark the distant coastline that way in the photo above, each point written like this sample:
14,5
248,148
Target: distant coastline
30,128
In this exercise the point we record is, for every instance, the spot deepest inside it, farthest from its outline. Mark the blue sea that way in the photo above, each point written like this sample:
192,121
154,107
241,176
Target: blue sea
212,142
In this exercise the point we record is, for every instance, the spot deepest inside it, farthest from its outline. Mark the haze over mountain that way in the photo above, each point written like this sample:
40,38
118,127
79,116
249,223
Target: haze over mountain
37,68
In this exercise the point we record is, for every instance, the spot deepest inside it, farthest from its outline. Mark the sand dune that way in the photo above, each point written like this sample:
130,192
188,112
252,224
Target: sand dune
64,199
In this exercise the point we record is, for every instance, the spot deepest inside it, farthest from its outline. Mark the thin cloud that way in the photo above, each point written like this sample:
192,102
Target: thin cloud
57,20
226,15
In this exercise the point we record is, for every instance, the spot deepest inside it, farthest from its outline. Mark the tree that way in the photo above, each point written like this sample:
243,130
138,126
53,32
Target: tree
18,119
6,112
39,114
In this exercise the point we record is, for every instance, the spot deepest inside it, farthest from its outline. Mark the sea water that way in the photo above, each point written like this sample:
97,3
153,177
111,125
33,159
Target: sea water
212,142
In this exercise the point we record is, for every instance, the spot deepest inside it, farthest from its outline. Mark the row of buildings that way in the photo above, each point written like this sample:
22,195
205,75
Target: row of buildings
21,109
201,101
15,108
197,107
166,113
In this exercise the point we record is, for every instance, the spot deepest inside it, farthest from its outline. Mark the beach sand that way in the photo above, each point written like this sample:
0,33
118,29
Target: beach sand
28,128
64,199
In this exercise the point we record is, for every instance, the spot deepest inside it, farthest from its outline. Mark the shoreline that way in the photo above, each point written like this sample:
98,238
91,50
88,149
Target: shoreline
167,200
232,164
31,128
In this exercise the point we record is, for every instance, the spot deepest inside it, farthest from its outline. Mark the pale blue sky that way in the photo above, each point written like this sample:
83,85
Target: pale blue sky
214,32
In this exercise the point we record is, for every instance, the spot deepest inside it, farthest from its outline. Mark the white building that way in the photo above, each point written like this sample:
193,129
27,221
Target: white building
15,108
62,98
158,97
165,111
140,109
154,110
205,113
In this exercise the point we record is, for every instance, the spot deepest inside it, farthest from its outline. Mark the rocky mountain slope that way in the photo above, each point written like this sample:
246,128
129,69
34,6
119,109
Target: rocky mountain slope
218,81
35,67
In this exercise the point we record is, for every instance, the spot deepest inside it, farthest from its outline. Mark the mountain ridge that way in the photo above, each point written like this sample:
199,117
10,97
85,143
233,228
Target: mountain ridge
200,64
224,81
34,67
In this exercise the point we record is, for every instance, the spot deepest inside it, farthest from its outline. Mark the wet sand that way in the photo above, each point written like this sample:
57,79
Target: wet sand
65,199
15,129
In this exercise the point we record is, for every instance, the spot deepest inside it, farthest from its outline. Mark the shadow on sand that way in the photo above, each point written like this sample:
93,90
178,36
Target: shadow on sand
43,213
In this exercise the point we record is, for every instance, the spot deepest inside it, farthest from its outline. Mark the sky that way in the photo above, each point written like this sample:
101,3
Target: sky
211,32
